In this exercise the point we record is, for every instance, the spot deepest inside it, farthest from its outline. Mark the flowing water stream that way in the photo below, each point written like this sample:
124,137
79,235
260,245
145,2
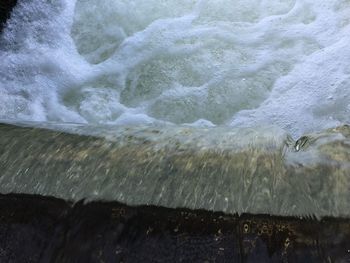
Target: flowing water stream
200,62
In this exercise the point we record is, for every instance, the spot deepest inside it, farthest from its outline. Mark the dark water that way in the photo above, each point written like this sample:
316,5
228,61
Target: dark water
42,229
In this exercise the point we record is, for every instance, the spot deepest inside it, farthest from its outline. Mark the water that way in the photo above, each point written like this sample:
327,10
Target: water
204,63
224,169
182,103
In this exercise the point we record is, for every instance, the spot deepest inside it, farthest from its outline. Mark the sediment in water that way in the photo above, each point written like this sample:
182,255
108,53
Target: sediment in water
260,171
43,229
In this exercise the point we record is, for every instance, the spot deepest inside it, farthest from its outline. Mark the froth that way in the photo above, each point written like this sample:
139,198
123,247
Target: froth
238,63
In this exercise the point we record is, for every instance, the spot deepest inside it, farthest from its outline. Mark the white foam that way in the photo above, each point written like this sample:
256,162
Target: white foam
208,62
315,94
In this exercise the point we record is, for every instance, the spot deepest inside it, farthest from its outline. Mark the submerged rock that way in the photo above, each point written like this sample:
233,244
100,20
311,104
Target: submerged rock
6,7
42,229
221,169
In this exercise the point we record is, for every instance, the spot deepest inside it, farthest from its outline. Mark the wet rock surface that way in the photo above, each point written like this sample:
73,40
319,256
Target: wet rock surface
43,229
6,7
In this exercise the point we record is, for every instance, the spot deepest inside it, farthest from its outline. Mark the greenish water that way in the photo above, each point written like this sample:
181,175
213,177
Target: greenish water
223,169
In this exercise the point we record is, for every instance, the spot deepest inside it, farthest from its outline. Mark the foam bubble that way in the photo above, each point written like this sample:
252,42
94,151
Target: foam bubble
239,63
315,94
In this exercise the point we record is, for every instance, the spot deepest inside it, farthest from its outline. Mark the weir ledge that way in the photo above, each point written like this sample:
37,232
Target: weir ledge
258,171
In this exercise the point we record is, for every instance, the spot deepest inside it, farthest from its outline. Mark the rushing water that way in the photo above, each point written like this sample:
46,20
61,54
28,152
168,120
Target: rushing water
214,62
116,100
104,66
223,169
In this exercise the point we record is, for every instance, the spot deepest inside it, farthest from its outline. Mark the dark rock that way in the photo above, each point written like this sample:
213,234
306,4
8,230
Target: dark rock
6,7
42,229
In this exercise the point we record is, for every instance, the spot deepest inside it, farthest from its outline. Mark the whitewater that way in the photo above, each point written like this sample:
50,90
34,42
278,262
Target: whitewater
241,63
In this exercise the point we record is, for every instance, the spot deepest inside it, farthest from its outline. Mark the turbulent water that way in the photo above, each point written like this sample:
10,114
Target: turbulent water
206,63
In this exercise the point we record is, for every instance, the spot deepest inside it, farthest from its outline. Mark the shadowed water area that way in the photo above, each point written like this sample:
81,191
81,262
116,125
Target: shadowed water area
53,230
6,7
